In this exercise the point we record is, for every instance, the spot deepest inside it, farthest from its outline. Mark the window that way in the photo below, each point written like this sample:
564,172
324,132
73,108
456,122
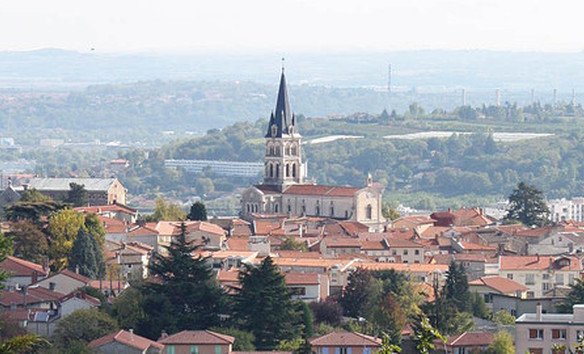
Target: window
294,170
510,276
194,349
536,334
275,208
369,212
530,295
366,350
317,210
559,334
405,252
417,252
529,279
332,210
535,351
546,276
217,349
394,253
342,350
287,170
170,349
545,286
289,207
560,279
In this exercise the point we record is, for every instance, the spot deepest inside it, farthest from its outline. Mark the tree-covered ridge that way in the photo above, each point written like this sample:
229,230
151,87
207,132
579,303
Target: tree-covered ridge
470,168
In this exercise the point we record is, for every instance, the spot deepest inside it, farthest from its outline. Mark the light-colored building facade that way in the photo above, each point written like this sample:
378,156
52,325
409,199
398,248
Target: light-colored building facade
536,333
100,191
566,209
283,189
540,274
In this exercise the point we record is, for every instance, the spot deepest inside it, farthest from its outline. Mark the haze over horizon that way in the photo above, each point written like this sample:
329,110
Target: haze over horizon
292,26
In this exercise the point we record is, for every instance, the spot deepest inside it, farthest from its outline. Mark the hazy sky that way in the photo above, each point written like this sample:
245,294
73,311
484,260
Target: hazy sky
292,25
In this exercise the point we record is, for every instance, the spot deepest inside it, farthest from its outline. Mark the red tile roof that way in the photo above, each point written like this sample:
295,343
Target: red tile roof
471,339
540,263
302,279
126,338
197,337
310,189
345,339
500,284
401,243
75,276
113,226
342,242
237,243
469,246
373,246
21,268
267,189
34,295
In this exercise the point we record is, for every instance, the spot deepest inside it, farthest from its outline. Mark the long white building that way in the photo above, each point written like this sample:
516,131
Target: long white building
221,168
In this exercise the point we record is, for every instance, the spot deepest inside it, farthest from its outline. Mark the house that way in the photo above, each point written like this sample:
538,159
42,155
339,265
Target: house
540,273
201,342
468,342
308,287
346,343
333,246
64,282
537,332
21,272
208,235
100,191
487,286
122,342
420,223
77,300
409,251
114,211
133,257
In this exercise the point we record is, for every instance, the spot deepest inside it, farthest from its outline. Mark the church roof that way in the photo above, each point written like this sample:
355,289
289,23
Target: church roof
332,191
267,188
282,117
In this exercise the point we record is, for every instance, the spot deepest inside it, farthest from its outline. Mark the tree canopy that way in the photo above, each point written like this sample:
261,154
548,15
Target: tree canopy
86,256
77,195
527,205
187,294
198,212
264,307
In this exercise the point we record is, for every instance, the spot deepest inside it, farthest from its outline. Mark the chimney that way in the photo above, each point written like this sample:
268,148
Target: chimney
35,277
538,312
52,286
163,335
131,334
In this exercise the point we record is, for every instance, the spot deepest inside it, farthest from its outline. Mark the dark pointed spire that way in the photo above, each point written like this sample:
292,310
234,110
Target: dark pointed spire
282,117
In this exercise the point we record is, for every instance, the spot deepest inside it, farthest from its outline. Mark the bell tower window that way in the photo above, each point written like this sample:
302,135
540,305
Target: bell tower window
274,130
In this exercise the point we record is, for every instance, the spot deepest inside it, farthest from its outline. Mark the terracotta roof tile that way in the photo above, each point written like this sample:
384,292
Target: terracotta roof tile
471,339
501,284
309,189
401,243
345,339
342,242
237,243
197,337
540,262
19,267
124,337
99,209
302,279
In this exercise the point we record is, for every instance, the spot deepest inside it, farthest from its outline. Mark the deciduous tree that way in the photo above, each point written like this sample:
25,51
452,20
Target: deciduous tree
30,243
502,343
63,229
84,326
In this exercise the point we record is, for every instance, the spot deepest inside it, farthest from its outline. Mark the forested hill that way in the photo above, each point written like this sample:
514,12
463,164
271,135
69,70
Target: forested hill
427,173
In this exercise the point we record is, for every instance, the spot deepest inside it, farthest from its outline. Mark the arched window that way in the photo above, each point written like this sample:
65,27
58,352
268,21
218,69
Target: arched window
277,151
271,150
275,208
294,170
271,170
287,170
332,210
369,212
247,207
289,207
277,170
287,149
294,150
317,210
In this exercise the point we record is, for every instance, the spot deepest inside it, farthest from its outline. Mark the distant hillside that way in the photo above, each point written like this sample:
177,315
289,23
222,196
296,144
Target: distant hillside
511,71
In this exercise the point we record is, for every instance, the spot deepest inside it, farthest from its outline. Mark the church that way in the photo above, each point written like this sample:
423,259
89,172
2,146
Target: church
284,191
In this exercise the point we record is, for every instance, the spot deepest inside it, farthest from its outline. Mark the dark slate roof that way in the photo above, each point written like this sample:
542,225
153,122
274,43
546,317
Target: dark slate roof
282,117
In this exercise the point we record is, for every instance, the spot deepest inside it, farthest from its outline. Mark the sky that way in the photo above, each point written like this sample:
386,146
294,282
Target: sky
292,25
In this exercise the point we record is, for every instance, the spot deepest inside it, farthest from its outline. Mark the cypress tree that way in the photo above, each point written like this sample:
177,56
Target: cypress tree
86,256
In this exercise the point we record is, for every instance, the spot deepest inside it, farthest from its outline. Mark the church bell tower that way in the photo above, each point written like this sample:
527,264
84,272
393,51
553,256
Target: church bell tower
283,161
